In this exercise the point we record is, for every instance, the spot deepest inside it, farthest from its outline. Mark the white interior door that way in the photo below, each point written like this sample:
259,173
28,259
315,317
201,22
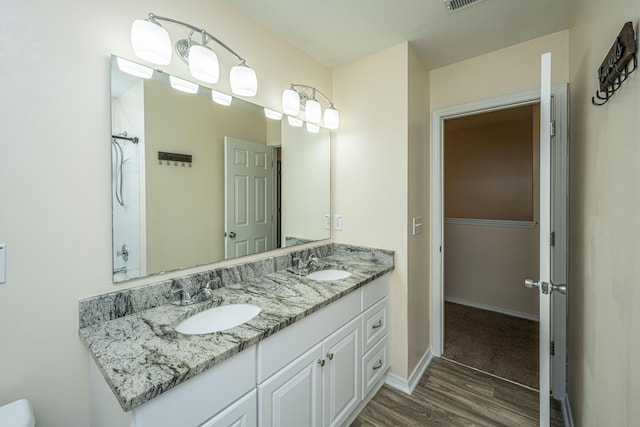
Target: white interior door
552,222
249,216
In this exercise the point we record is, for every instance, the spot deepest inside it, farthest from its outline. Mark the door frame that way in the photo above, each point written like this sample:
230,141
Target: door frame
560,214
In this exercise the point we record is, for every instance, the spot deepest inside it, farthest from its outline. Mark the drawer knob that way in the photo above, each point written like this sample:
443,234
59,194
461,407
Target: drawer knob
378,324
378,365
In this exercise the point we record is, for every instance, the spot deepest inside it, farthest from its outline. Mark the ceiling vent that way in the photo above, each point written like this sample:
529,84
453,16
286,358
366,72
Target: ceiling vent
456,5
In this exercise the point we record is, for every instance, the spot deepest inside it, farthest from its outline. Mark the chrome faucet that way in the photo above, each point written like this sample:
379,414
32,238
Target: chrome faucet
313,259
300,267
203,294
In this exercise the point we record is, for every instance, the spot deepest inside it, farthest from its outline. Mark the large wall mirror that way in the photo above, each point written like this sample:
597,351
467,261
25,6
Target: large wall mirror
194,182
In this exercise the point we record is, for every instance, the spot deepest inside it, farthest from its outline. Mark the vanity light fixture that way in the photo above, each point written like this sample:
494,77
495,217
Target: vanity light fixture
151,42
134,69
295,122
273,115
221,98
303,97
183,85
312,128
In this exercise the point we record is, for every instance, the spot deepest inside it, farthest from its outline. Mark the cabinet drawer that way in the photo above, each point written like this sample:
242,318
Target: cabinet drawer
374,366
374,325
374,291
243,413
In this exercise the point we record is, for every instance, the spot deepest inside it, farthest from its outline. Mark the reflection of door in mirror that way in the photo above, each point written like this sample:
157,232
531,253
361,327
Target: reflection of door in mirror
249,198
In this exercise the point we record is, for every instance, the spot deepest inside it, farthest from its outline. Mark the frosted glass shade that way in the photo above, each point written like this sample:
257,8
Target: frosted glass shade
183,85
313,128
203,64
295,122
243,81
331,118
273,115
290,102
151,42
220,98
312,111
134,69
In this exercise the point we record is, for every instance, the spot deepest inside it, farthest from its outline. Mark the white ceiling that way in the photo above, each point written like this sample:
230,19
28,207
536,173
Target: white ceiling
337,32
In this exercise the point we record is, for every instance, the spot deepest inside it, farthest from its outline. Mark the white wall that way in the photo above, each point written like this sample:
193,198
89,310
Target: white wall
604,295
55,174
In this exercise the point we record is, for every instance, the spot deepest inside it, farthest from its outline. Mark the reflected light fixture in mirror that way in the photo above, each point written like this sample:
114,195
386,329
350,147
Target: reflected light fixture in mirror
273,115
183,85
303,97
221,98
151,42
313,128
136,70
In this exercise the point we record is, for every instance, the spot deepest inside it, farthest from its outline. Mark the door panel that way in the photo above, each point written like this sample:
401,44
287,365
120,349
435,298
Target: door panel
249,198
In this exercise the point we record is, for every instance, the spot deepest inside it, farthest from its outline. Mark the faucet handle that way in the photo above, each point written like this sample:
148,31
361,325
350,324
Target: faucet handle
185,298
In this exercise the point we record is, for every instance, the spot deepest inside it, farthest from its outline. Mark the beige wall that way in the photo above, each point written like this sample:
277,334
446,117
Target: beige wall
55,174
185,205
370,157
604,298
506,71
419,246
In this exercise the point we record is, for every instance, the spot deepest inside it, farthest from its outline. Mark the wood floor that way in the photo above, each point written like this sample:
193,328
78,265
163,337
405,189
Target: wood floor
450,394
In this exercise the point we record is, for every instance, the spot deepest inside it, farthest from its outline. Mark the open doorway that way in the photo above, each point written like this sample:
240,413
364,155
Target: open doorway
491,241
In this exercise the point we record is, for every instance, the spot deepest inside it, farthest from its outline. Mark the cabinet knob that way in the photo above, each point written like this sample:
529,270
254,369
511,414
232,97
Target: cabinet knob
378,324
330,356
321,362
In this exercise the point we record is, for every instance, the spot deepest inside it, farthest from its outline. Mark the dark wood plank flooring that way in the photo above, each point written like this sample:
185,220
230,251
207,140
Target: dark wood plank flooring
450,394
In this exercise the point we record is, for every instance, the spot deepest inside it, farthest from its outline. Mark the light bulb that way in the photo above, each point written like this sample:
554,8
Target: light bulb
183,85
312,111
151,42
203,64
134,69
221,98
296,123
273,115
243,80
313,128
290,102
331,118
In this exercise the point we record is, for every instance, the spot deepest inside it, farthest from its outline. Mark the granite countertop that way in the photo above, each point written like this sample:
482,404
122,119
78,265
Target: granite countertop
141,356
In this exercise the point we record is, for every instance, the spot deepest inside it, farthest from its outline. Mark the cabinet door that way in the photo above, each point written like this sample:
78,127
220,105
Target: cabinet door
242,413
341,373
293,396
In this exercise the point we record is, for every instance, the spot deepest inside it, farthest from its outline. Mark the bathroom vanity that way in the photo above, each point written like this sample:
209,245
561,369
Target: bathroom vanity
315,354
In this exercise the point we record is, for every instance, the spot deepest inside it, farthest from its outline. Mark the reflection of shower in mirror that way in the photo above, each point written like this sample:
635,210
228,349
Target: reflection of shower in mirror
125,172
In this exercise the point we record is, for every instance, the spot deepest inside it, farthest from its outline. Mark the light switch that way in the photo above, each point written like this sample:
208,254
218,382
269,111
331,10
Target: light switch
417,225
327,222
3,262
337,222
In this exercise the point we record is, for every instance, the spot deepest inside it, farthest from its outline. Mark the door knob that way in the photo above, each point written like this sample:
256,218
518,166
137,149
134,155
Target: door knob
545,287
232,234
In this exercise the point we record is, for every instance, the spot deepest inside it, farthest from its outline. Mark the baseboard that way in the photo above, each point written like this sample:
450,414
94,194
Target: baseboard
493,308
566,412
407,386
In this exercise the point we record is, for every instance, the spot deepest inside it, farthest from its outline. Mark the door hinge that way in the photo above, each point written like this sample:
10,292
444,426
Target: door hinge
552,239
553,348
553,128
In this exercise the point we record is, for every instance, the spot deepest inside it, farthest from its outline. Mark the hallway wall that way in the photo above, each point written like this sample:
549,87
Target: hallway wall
604,295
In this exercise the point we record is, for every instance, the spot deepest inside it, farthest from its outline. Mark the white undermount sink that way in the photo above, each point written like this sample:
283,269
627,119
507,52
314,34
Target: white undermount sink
218,319
325,275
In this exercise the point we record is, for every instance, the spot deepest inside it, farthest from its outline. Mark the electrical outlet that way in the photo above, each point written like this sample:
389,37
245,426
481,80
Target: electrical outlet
337,222
327,222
